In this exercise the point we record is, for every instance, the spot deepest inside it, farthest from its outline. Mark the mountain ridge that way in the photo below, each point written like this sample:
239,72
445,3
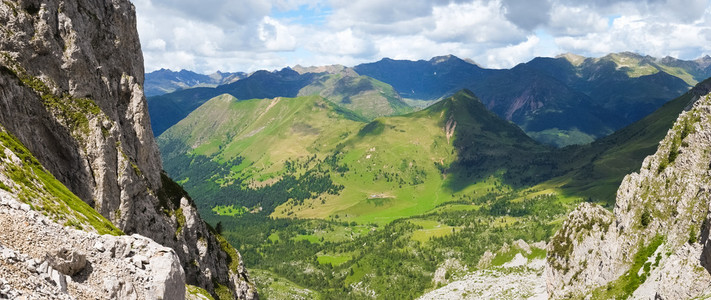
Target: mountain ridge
606,96
165,81
559,101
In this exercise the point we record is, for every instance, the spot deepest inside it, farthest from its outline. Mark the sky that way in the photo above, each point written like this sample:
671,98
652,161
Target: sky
249,35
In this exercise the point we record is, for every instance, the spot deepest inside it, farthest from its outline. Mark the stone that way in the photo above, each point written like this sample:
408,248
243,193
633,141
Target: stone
31,264
43,268
139,261
25,207
59,280
99,246
485,259
14,204
521,244
168,280
66,261
517,261
8,255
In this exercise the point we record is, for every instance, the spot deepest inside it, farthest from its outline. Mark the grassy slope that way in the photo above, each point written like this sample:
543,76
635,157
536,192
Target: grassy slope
395,167
403,166
363,95
366,96
265,132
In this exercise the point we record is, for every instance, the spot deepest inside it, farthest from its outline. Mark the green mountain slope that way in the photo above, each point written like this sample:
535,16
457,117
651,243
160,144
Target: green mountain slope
298,184
376,172
168,109
364,95
228,149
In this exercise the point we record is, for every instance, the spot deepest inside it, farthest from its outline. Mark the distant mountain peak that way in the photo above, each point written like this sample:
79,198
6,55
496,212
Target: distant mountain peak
330,69
444,58
704,61
471,61
574,59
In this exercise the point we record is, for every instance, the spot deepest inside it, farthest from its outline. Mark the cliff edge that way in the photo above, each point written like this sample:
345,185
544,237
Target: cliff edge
655,244
71,75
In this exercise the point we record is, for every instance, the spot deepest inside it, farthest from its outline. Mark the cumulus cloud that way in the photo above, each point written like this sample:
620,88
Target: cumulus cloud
476,22
248,35
511,55
527,14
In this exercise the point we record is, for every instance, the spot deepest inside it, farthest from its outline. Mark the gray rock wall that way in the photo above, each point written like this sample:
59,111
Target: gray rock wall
71,75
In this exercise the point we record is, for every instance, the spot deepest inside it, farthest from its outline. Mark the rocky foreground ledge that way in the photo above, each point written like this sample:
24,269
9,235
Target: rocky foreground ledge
40,259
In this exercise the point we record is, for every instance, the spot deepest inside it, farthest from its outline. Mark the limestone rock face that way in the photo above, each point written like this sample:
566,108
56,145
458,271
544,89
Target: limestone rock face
71,75
655,245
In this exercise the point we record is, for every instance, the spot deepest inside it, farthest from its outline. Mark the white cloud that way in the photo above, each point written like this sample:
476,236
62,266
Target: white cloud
512,55
276,36
476,22
642,35
247,35
575,20
344,43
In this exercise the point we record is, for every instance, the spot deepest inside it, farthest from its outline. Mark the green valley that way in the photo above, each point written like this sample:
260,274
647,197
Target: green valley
324,202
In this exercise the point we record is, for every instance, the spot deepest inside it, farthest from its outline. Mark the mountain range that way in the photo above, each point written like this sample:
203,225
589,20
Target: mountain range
165,81
558,101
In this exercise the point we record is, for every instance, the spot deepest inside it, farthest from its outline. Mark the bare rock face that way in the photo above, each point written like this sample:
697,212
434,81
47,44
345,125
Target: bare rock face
71,75
656,243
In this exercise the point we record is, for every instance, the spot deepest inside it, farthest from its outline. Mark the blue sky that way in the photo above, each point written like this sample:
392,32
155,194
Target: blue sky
249,35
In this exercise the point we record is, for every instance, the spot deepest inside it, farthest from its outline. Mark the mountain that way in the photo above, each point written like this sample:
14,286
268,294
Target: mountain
320,200
165,81
332,69
557,101
78,159
655,242
366,96
166,110
425,80
255,147
560,101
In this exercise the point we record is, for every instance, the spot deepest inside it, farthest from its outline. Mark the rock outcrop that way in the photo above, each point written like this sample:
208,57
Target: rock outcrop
655,245
71,75
40,259
522,277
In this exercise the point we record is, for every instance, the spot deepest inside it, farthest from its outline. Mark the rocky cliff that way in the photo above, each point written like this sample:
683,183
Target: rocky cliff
70,91
655,244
